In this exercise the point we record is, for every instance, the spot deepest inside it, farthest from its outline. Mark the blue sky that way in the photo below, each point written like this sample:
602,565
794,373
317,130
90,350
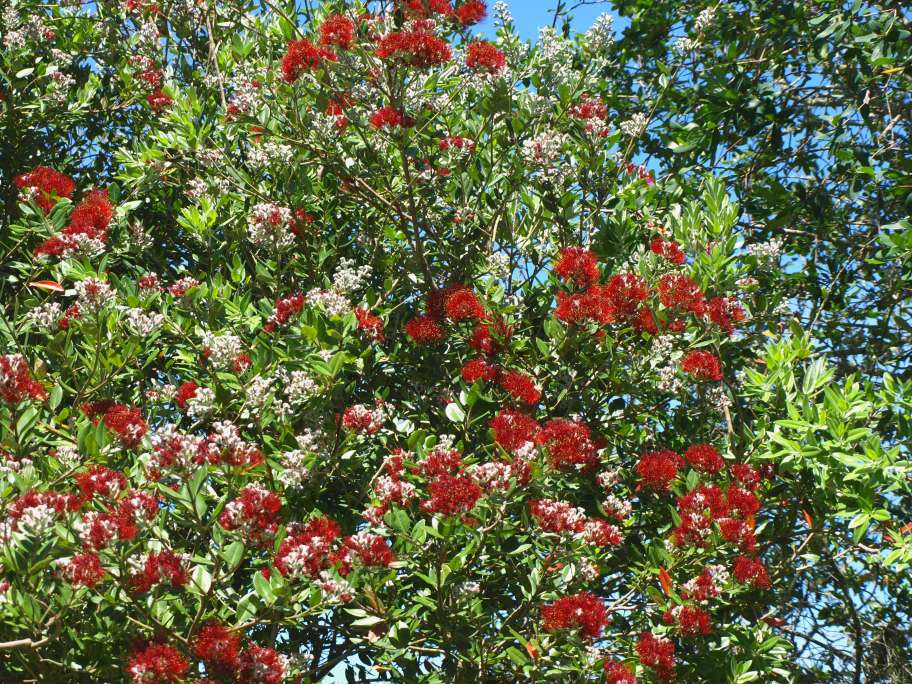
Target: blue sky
529,15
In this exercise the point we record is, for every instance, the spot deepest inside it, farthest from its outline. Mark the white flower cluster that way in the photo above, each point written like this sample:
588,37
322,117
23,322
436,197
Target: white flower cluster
635,126
93,295
349,278
767,253
556,53
143,324
502,15
543,152
223,349
202,403
600,35
294,471
705,19
46,316
268,226
270,153
17,35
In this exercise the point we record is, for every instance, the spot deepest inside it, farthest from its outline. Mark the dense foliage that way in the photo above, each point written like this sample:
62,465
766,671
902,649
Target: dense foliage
343,342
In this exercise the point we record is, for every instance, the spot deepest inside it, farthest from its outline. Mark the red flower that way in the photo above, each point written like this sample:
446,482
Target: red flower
484,56
387,117
514,429
157,664
658,469
618,673
370,324
260,665
725,312
691,620
241,363
569,444
159,101
424,330
16,381
478,369
702,366
751,571
127,423
100,480
305,551
584,611
185,393
657,653
218,647
414,48
669,249
483,338
338,30
471,12
520,386
253,513
704,458
625,293
286,308
463,305
577,265
370,549
165,567
589,108
82,570
302,55
678,291
48,185
451,495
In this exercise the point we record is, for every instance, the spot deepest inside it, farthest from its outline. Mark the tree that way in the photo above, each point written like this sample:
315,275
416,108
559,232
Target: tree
373,350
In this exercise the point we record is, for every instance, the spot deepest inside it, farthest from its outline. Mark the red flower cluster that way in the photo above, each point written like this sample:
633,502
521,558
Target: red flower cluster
732,510
159,100
218,647
725,312
584,611
479,369
425,330
569,444
520,386
371,550
451,495
307,548
370,324
302,55
254,513
47,186
337,30
658,469
16,381
702,365
414,48
680,292
100,480
691,621
668,249
157,664
577,265
88,221
363,420
127,423
514,429
185,393
751,571
471,12
260,665
285,308
704,458
657,653
463,305
484,56
164,567
389,117
84,570
589,108
618,673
